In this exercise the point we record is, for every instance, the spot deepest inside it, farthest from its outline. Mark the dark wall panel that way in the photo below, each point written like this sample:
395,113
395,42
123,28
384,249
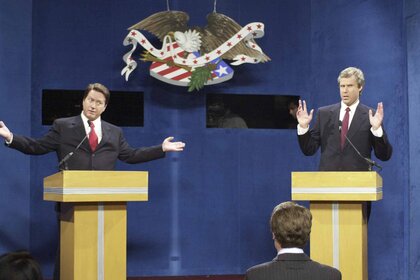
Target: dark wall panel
412,10
15,111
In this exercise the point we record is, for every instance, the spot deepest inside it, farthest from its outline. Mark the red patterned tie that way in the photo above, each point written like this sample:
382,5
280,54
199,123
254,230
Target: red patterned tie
345,127
93,138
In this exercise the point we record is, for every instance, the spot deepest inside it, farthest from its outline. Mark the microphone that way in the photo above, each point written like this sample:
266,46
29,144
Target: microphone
69,155
368,160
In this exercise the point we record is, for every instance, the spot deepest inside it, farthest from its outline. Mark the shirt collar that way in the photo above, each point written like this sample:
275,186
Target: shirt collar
352,107
85,120
293,250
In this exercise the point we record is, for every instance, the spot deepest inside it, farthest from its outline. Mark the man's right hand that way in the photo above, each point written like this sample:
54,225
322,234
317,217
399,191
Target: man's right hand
5,132
302,116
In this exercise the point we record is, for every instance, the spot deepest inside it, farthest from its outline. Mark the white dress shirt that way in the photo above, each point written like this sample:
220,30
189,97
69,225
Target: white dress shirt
98,126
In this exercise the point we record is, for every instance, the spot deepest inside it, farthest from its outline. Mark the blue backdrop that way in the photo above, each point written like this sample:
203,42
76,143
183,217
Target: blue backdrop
209,206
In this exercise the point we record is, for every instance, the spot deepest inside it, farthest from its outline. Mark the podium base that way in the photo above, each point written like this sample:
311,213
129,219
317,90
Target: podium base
93,241
340,231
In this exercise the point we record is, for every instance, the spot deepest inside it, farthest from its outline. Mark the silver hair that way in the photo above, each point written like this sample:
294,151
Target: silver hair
352,71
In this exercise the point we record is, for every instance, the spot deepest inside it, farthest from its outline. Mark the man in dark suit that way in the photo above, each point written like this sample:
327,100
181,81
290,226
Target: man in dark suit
291,226
350,119
67,133
85,142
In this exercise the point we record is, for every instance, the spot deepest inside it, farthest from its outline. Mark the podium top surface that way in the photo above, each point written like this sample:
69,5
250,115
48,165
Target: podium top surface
337,186
96,186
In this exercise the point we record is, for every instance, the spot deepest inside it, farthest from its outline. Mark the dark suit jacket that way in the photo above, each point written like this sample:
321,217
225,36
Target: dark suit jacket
65,134
325,134
292,267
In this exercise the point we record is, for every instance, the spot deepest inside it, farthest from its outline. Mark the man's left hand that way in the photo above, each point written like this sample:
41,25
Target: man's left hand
376,120
168,146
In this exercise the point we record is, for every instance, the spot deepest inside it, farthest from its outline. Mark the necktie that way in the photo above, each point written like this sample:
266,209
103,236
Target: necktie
93,138
345,127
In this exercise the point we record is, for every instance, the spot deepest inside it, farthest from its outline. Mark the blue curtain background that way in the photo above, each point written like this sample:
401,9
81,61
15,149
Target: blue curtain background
209,206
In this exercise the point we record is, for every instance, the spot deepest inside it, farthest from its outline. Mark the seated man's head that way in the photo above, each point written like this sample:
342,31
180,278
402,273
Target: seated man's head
291,225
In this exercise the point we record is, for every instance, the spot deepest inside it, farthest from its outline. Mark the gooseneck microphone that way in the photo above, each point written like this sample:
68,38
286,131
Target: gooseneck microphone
69,155
368,160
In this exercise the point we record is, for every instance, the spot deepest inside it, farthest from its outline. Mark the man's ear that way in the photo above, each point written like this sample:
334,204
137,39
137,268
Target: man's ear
360,90
274,238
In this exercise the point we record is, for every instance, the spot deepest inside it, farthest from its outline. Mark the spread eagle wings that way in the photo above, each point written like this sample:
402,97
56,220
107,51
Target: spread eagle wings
218,30
160,24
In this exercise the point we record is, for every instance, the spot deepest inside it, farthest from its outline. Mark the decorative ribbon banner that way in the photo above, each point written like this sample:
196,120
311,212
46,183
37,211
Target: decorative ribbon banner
250,31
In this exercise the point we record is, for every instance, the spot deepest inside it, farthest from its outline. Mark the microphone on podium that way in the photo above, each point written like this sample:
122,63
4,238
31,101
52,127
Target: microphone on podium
368,160
69,155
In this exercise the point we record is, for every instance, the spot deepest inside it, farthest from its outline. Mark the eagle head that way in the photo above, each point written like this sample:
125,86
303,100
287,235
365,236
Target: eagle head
189,41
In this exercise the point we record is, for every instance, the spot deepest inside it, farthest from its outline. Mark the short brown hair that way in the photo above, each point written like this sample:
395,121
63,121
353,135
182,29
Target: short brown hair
100,88
291,224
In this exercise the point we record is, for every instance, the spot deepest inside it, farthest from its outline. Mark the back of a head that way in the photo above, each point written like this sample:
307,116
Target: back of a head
19,265
291,224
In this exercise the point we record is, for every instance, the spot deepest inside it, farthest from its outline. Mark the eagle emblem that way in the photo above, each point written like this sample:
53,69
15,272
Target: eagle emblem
193,56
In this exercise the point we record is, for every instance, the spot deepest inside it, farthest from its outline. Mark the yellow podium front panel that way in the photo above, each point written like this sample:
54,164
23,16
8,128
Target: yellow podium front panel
93,241
339,224
339,237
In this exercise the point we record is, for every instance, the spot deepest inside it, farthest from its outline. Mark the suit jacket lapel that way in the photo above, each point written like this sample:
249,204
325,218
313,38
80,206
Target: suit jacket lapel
79,128
335,116
105,134
359,117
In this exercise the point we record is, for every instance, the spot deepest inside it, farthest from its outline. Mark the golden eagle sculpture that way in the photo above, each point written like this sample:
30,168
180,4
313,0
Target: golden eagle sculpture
194,56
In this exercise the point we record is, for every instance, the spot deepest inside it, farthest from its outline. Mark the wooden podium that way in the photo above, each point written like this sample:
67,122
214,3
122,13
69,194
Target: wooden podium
339,225
93,223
